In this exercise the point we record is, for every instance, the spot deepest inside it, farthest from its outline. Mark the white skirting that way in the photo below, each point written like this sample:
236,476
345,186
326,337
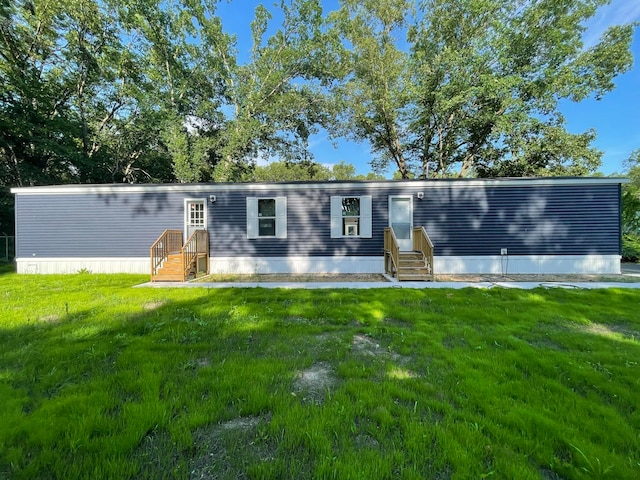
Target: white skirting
299,264
75,265
531,264
512,264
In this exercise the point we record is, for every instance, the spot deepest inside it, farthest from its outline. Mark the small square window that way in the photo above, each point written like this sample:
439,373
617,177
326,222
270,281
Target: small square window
351,207
267,227
351,216
351,226
267,207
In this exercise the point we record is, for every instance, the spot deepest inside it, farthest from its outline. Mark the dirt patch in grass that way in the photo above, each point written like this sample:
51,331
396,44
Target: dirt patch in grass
242,423
203,362
367,346
609,330
53,318
153,305
223,450
313,383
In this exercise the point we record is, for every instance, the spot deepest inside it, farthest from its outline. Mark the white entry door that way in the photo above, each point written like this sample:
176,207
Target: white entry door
401,220
195,216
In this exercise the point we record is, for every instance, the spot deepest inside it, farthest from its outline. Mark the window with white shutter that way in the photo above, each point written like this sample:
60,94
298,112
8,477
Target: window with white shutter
266,217
351,216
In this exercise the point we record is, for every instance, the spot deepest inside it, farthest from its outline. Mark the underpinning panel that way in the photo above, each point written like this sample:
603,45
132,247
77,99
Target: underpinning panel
529,264
301,264
77,265
444,265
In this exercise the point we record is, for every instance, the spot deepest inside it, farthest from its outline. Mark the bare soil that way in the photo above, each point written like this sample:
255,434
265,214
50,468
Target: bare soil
284,278
537,278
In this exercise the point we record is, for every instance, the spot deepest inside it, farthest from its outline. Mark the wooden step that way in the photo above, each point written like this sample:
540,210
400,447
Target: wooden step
167,278
412,266
410,255
415,277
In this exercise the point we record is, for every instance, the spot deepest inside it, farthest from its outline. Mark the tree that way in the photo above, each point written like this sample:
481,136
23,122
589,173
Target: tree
375,89
39,128
631,195
479,92
277,98
631,209
71,94
289,171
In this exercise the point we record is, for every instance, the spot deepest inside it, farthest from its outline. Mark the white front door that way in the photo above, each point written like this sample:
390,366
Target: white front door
195,216
401,220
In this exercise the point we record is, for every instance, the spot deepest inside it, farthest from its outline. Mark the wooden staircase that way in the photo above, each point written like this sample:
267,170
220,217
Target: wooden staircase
416,265
171,261
171,270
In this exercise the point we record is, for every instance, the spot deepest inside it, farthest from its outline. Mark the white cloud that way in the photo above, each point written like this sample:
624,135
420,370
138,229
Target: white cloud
618,12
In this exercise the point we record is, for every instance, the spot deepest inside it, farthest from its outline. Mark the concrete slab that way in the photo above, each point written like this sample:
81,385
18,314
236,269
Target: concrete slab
632,269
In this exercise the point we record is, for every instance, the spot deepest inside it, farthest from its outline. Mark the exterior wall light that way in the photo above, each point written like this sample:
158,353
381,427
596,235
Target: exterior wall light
212,198
420,195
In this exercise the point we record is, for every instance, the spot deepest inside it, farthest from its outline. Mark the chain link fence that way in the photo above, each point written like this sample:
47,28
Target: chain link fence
7,248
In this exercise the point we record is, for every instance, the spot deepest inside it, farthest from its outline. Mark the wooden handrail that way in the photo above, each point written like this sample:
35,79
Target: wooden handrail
196,246
170,241
392,250
422,243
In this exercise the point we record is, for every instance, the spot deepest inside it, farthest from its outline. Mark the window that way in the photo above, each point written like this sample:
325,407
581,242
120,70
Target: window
267,217
351,216
196,214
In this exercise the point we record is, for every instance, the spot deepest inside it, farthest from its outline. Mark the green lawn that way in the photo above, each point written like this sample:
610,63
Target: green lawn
101,380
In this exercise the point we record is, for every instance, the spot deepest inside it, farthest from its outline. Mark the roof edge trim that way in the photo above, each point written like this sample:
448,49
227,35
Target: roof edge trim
250,187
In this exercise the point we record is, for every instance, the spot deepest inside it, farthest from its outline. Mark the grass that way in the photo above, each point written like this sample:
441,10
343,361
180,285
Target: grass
101,380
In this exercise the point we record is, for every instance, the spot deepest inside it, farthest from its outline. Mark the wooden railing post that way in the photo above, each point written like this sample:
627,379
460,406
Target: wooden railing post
422,243
391,251
196,246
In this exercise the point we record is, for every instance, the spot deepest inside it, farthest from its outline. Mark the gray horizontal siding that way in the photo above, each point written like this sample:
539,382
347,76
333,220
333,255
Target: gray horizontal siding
113,225
461,219
308,226
541,220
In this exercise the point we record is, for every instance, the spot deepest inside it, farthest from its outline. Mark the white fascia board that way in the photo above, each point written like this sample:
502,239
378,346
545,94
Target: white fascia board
257,187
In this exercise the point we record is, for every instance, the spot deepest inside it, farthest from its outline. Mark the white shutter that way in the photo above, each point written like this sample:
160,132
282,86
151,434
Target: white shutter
336,217
281,217
252,217
365,216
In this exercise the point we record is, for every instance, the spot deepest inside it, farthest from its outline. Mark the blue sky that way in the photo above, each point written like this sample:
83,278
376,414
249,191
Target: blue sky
614,117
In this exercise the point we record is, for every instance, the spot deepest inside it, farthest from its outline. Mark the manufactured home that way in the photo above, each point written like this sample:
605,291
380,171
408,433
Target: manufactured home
410,229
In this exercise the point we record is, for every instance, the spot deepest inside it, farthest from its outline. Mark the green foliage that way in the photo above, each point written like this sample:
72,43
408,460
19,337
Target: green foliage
7,219
631,209
376,90
307,170
479,92
149,91
630,248
289,171
98,379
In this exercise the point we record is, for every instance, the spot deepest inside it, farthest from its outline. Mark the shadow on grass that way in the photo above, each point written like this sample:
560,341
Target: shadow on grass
7,267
